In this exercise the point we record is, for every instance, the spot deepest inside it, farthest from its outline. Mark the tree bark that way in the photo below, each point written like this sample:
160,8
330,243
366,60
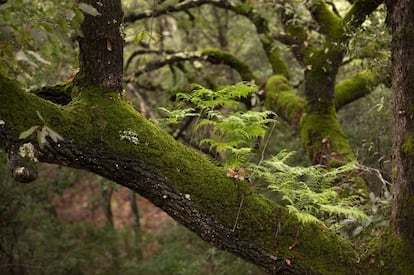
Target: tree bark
402,21
101,45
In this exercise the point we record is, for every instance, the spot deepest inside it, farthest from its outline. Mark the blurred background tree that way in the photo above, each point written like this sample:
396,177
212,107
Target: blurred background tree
165,54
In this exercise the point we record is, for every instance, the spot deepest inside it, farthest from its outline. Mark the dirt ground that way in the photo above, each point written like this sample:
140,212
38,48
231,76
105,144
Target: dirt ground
82,201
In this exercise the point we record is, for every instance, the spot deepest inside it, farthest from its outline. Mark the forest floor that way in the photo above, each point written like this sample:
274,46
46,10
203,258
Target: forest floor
82,201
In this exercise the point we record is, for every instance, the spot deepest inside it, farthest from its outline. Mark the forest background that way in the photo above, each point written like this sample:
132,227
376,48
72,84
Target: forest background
71,221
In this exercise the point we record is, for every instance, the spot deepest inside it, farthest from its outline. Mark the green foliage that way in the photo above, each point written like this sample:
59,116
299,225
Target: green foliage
308,192
42,133
184,253
36,40
207,100
232,133
378,210
228,130
35,240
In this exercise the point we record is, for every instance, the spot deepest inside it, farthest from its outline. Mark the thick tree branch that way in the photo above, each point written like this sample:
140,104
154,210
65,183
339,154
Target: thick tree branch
359,11
246,9
354,88
101,46
281,98
328,22
214,56
103,134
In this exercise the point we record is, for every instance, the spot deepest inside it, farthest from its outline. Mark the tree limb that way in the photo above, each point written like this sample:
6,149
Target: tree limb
328,22
354,88
246,9
281,99
183,6
359,11
214,56
103,134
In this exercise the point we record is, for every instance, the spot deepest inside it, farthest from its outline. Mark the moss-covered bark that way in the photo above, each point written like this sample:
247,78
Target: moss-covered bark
355,87
281,98
324,139
217,56
402,21
96,122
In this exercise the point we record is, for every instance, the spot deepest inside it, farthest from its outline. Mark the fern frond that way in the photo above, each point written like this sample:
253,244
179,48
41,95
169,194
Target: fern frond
308,191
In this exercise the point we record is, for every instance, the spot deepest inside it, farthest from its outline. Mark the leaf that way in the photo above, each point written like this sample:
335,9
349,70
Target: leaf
89,9
139,37
21,56
38,57
28,132
69,14
108,45
53,135
357,231
41,138
40,117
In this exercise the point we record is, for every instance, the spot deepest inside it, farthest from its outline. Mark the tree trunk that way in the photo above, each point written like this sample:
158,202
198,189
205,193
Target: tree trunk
402,21
322,136
101,46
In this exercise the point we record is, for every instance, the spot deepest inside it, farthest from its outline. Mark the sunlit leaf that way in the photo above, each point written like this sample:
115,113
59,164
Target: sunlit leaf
88,9
21,56
38,57
41,138
28,132
53,135
139,37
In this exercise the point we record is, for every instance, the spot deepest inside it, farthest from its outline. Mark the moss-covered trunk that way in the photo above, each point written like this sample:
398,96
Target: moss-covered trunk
402,18
321,134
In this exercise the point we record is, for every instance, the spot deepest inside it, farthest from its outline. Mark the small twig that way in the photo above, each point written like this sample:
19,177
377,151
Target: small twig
296,242
238,212
374,171
277,233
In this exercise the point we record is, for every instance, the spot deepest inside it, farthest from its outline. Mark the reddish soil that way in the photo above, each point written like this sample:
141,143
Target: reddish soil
83,202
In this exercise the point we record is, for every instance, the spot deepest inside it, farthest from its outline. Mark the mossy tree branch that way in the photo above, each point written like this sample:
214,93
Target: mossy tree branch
103,134
282,99
244,9
355,87
212,55
359,11
328,22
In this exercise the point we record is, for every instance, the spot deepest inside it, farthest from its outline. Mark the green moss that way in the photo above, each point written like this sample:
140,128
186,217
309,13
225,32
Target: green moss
101,119
389,254
281,99
408,145
354,88
277,62
230,60
328,21
324,139
333,247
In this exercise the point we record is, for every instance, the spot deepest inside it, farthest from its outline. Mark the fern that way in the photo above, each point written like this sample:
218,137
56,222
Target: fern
309,192
229,130
206,99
